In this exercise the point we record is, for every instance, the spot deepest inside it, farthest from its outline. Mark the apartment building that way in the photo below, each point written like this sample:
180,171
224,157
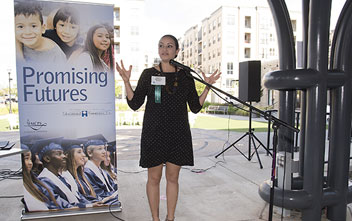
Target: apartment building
128,38
232,34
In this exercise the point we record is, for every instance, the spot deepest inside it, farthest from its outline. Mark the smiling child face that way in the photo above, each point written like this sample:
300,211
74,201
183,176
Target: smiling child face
29,30
101,39
67,31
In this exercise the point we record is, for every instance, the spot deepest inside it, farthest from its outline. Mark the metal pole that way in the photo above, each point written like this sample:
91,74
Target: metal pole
10,110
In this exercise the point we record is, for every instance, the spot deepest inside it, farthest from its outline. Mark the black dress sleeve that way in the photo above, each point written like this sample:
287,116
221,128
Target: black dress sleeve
140,92
193,98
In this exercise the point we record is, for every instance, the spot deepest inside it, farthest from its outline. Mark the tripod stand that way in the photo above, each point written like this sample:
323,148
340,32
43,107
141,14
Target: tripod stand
251,139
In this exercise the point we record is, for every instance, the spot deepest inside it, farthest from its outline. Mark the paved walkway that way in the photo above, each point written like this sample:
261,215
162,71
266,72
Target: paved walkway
223,188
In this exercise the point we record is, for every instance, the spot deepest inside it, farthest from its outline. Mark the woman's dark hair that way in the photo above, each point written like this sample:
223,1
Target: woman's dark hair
174,39
29,179
93,51
63,14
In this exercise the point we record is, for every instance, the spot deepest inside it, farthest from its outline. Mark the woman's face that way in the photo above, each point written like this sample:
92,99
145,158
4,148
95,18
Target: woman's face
28,161
67,31
101,39
167,49
107,159
98,153
79,156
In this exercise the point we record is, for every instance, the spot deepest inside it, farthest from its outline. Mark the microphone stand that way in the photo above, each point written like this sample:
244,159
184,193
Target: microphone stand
275,121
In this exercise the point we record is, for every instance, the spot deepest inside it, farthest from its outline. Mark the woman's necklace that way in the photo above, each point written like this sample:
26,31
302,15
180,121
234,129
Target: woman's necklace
171,89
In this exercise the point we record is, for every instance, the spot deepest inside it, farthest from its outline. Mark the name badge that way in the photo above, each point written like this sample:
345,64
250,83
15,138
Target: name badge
158,80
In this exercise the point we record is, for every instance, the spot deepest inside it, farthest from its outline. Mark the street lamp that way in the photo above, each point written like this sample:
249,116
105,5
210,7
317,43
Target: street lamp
9,71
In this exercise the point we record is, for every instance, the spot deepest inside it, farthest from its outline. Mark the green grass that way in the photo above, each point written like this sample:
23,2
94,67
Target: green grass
4,125
218,123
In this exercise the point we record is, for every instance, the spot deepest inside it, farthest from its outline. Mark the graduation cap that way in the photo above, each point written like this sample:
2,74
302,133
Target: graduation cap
111,146
95,140
41,147
24,146
68,144
29,140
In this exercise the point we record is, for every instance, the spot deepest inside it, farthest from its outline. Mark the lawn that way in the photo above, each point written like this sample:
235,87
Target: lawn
218,123
4,125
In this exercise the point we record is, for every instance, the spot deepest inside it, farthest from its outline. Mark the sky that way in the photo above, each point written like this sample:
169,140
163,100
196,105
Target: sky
161,16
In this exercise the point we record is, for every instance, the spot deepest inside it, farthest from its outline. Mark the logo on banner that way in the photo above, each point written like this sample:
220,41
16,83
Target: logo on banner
35,125
84,113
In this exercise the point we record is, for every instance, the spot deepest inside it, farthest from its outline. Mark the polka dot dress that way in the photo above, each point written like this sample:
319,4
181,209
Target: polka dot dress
166,135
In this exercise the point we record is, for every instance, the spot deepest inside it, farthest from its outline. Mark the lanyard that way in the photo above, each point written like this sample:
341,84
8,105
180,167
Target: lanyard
157,91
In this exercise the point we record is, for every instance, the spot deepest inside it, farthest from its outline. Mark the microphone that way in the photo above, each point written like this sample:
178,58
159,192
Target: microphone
179,65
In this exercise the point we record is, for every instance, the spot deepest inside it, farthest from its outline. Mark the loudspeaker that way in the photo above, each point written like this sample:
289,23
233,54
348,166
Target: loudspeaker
249,80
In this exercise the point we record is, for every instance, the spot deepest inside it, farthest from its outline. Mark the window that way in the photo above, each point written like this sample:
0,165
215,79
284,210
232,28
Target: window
219,36
209,56
219,52
231,19
117,48
247,21
230,50
214,24
117,32
247,53
117,14
214,39
230,83
247,37
134,46
219,22
230,68
134,30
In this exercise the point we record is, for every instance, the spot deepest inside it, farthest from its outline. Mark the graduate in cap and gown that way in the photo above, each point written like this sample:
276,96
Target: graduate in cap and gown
37,196
54,161
108,167
96,151
74,172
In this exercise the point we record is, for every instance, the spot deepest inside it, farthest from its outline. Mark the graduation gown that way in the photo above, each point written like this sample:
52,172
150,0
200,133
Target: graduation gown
86,189
99,180
61,189
32,203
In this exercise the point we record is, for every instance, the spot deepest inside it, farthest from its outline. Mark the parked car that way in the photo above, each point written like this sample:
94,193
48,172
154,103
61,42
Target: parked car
14,100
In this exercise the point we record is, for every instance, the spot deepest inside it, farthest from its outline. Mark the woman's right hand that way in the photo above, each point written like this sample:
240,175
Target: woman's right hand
125,74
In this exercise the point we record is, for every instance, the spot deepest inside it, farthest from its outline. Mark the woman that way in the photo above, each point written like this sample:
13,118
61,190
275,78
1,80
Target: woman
75,163
37,196
98,178
97,42
166,136
107,167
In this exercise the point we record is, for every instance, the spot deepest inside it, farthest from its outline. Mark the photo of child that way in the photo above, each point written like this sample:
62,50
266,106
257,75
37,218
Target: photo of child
30,44
66,30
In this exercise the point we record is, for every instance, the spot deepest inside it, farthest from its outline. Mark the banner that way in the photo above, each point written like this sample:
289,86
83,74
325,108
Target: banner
66,97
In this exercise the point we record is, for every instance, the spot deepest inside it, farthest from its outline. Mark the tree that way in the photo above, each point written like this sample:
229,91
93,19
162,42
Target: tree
118,90
199,87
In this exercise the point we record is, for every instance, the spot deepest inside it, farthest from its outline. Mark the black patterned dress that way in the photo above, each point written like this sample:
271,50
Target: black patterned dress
166,134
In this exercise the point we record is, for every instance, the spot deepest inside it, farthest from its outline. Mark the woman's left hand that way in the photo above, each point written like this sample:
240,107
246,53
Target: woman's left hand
212,78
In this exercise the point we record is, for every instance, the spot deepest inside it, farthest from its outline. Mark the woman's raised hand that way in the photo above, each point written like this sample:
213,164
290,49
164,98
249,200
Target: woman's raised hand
125,74
212,78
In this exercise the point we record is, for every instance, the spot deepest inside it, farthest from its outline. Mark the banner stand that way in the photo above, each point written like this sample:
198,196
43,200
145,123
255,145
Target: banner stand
102,212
